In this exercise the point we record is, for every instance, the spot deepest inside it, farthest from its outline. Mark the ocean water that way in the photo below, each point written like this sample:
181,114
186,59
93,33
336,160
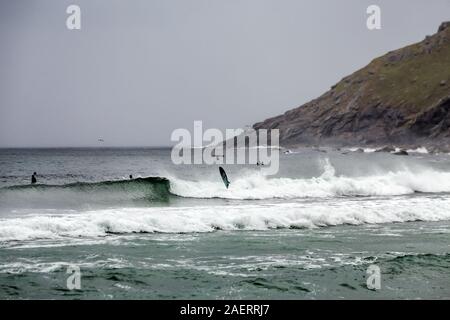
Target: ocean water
175,232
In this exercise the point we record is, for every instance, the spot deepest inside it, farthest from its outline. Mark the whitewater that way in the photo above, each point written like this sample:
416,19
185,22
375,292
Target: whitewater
100,223
323,210
347,200
259,186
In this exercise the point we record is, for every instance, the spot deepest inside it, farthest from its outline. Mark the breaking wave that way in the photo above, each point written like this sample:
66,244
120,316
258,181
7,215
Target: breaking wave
250,186
257,186
100,223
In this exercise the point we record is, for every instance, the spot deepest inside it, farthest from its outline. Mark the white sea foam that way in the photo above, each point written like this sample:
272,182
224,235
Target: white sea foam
258,186
366,150
37,265
99,223
422,150
229,265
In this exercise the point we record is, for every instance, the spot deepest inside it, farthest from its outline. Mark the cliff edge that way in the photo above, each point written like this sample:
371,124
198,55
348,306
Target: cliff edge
401,98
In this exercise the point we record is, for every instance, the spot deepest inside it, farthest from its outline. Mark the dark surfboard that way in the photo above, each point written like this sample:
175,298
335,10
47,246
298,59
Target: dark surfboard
224,177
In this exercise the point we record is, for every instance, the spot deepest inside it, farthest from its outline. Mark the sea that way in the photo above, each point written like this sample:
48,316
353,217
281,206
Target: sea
331,224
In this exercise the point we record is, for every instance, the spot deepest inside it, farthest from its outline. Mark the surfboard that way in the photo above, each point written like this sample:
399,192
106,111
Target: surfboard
224,177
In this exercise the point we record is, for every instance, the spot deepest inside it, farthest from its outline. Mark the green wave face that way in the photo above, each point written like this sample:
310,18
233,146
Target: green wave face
81,194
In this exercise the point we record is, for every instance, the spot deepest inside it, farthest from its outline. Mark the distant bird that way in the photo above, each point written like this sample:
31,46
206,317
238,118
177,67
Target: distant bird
101,140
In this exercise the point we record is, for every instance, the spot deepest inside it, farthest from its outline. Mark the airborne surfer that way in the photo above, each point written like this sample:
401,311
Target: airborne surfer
224,177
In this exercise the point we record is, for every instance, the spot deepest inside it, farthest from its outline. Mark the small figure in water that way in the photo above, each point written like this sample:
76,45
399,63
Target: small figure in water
33,178
131,177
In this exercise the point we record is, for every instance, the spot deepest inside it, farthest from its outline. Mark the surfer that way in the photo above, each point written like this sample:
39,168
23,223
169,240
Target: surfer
33,178
131,177
224,177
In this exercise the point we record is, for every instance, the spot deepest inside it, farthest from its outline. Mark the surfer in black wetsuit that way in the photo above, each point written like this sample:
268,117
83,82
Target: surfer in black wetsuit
131,177
33,178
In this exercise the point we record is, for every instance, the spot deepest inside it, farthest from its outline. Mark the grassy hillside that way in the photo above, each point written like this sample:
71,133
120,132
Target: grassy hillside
384,101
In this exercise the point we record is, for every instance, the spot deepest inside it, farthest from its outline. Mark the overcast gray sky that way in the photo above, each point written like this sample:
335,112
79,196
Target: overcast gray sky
139,69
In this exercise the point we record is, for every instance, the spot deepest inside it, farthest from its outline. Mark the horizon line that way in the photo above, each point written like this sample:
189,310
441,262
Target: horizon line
86,147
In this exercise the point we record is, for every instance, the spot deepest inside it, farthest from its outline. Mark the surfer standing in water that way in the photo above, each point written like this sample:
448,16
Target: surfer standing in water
33,178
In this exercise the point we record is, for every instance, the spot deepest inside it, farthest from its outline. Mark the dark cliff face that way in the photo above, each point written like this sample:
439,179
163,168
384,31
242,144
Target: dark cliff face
402,97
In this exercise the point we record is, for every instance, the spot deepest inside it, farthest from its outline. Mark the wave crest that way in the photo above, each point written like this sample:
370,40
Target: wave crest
106,193
250,186
100,223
